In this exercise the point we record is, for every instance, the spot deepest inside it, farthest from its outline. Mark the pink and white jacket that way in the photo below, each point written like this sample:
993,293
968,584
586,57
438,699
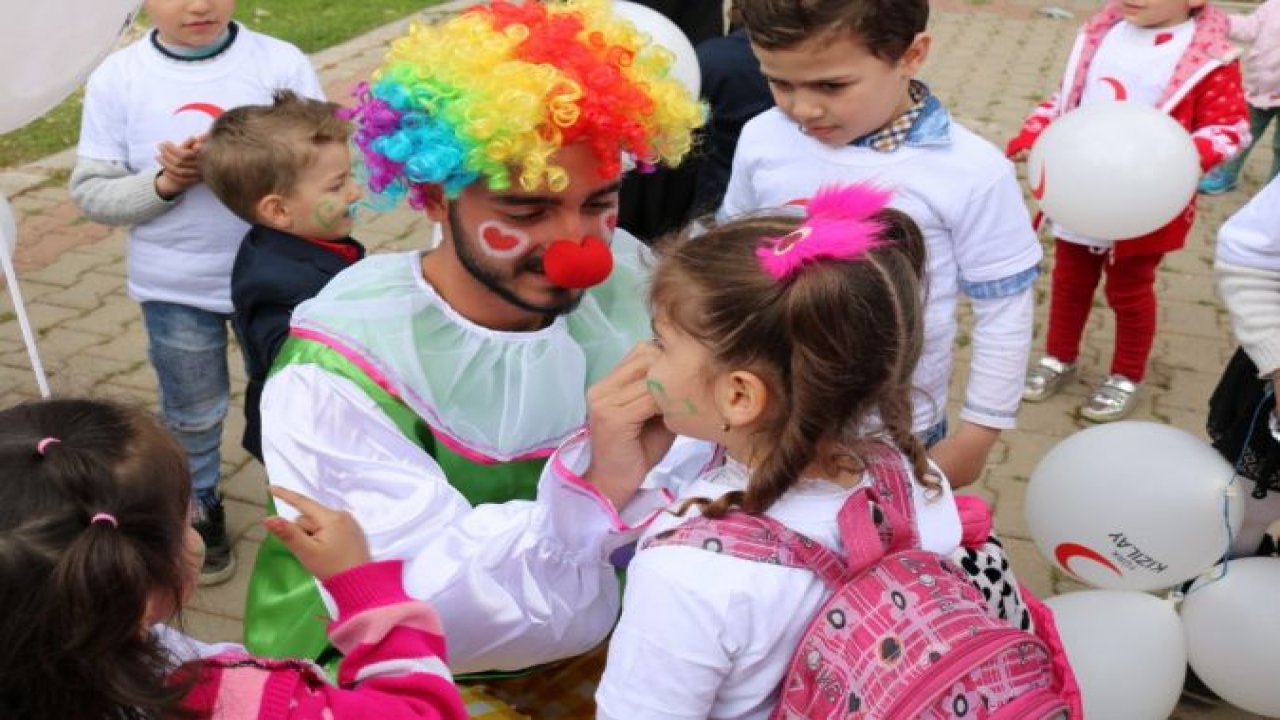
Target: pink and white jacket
393,666
1205,96
1261,29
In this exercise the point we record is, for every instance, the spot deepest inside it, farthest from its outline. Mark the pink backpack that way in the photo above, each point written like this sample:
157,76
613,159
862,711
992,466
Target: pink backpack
905,634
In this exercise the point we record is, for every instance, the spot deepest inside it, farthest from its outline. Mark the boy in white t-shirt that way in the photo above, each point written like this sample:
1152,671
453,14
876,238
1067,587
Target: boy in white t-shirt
1176,56
850,109
146,110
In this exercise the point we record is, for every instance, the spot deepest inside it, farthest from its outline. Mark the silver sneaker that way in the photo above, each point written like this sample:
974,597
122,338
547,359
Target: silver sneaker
1113,400
1046,378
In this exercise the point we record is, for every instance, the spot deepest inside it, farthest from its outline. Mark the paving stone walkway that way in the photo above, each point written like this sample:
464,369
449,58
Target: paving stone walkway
992,61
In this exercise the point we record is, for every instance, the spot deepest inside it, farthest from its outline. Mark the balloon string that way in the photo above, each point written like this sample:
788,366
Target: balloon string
24,323
1236,474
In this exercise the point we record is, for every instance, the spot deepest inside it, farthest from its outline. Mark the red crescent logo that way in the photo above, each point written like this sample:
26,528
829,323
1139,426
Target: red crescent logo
1117,86
209,109
1037,192
1066,552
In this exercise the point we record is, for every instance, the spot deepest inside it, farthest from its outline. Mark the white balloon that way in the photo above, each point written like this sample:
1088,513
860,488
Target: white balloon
1126,650
1133,506
669,35
1233,633
1113,170
8,227
48,47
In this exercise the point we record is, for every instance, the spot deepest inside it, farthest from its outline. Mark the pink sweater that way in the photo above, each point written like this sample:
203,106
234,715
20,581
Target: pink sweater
1261,29
393,666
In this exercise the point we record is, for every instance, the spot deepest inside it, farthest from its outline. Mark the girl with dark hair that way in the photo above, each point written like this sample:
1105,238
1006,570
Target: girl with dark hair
790,344
96,549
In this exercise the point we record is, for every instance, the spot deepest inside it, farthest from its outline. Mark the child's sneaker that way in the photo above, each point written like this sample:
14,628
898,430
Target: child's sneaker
1046,378
219,561
1218,181
1113,400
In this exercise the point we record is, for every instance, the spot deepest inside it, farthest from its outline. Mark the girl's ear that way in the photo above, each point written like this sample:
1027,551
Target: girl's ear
742,398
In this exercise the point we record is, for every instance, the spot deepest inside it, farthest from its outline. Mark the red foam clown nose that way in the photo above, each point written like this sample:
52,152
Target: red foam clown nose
578,266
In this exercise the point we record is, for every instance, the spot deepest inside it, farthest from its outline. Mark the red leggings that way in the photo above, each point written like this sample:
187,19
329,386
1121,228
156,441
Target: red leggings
1130,291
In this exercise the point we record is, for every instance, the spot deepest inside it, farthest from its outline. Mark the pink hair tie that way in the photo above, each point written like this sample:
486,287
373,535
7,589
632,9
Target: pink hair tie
841,225
44,444
104,519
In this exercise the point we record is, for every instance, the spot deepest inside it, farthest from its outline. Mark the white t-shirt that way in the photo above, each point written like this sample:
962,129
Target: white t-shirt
705,635
965,198
1133,64
139,98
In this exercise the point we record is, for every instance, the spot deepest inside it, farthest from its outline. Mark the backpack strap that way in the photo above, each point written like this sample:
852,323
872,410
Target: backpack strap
758,538
879,519
873,522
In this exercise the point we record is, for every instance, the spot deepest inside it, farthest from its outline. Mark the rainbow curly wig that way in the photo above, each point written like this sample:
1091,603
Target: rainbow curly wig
497,90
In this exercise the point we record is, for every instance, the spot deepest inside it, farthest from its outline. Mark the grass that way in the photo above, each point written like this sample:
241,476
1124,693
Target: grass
310,24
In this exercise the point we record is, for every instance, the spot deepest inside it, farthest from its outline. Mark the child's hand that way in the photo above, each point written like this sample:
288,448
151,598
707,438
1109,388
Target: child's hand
962,455
179,166
326,541
1020,155
628,436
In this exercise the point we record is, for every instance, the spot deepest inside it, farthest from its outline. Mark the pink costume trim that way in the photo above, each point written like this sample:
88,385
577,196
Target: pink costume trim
380,379
578,484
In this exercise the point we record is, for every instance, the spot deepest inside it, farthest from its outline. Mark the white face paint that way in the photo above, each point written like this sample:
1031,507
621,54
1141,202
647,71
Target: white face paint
499,240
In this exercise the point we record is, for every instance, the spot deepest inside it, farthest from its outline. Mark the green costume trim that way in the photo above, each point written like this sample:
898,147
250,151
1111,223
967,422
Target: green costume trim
284,615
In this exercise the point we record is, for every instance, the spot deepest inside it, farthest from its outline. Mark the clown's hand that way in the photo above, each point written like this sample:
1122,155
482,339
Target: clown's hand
628,436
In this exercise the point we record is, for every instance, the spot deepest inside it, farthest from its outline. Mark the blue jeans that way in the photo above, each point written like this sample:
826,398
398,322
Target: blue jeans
188,349
933,434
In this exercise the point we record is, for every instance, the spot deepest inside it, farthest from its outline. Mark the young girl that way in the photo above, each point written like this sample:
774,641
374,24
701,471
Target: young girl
96,548
1173,55
791,345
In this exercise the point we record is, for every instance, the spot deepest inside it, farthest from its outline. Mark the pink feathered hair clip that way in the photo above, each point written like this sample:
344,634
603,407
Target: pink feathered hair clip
841,225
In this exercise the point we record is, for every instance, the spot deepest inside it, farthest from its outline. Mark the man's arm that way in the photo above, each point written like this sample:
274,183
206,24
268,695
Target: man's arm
516,584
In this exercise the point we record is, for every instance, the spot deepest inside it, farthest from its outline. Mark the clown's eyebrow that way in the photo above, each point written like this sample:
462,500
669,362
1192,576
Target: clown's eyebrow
522,200
610,189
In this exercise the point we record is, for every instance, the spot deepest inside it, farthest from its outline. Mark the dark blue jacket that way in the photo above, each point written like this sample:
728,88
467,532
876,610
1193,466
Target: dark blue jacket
273,272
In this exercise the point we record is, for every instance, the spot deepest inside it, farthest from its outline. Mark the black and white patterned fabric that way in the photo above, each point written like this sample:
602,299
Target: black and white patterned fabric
988,568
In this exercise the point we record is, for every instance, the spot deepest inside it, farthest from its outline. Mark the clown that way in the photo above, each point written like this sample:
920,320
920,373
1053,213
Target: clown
423,391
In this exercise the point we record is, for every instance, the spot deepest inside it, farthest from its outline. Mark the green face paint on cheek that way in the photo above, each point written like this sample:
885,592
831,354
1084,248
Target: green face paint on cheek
666,404
329,213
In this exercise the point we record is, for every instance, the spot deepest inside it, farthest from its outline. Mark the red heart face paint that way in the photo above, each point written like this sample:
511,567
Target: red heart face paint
502,241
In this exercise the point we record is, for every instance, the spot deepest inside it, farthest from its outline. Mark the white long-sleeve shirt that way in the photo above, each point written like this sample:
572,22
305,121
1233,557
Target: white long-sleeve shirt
706,635
964,196
1248,269
516,584
180,251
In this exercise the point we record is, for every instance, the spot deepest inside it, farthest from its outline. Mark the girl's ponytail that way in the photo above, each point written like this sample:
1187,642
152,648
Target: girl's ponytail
93,513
